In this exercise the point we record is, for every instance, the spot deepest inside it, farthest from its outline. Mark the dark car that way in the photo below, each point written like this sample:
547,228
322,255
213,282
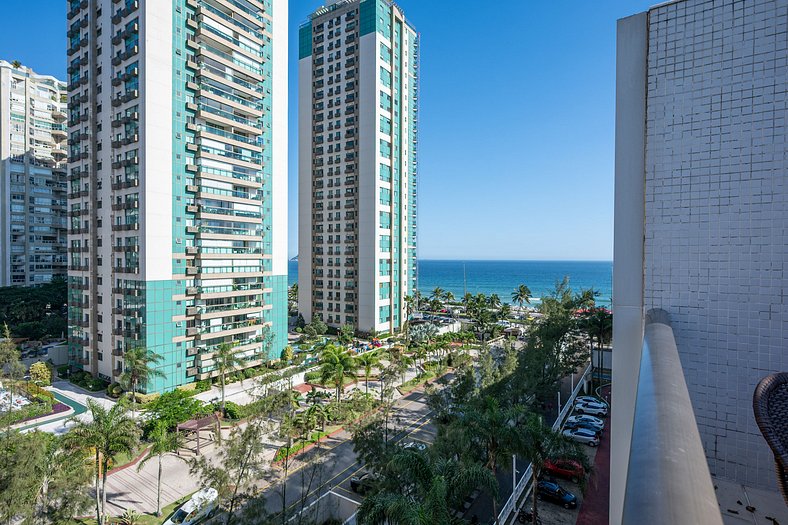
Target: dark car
565,468
553,492
583,424
363,483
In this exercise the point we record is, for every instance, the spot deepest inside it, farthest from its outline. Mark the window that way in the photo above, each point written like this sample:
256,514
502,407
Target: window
385,220
385,77
385,125
385,196
385,149
385,243
385,173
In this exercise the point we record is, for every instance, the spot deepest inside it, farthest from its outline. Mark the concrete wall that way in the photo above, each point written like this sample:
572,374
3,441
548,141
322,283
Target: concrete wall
716,250
713,217
628,245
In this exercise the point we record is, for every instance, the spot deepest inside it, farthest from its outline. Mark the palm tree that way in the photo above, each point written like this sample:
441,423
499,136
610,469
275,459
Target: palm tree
367,361
162,442
494,428
226,360
598,323
494,301
110,432
438,294
336,365
320,415
540,443
421,489
292,293
139,367
521,294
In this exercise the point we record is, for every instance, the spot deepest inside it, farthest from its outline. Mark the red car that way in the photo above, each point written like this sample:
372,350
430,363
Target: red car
565,468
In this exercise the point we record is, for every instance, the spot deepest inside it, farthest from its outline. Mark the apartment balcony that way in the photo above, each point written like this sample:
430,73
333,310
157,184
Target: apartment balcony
128,248
122,184
126,205
126,11
126,227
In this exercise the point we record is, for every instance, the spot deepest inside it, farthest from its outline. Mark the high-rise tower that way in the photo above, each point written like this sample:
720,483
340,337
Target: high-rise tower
33,152
358,113
177,125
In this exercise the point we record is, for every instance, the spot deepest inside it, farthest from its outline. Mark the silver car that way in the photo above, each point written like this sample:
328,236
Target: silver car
581,435
582,418
596,409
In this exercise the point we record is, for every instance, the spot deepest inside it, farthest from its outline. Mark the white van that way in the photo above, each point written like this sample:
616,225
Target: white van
201,505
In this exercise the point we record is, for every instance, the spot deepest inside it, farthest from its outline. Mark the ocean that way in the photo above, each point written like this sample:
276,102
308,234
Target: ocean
502,277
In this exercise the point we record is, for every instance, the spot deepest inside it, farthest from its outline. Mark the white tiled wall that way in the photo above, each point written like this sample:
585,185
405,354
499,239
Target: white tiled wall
716,235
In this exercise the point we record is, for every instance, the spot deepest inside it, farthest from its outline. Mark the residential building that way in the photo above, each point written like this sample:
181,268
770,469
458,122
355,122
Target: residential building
358,145
178,173
33,226
700,221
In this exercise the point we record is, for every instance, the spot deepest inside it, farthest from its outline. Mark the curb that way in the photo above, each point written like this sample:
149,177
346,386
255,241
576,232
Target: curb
131,463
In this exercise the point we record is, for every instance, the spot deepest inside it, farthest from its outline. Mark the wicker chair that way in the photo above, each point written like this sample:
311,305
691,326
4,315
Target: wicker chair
770,404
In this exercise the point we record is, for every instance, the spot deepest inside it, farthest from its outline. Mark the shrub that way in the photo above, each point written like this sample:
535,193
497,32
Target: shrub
62,371
144,399
40,373
312,377
114,390
202,386
174,407
233,410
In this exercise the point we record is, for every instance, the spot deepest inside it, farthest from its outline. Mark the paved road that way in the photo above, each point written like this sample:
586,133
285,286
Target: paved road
308,480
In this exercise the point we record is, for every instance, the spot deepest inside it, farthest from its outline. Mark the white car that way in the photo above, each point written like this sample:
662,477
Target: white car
581,435
596,409
589,399
201,505
416,445
582,418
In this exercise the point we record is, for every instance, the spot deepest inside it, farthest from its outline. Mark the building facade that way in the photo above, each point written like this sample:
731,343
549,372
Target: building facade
33,226
358,116
178,174
702,215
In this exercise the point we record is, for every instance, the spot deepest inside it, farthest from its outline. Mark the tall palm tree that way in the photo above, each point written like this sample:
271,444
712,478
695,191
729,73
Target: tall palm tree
336,365
367,361
226,360
521,294
320,415
109,432
438,294
421,489
139,367
494,300
494,428
539,443
162,442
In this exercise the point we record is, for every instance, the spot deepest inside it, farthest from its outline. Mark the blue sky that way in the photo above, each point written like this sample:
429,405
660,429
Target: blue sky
517,119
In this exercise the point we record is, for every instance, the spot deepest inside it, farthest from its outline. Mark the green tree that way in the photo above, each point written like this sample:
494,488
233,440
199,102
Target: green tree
521,294
421,489
108,433
20,455
367,361
62,477
40,374
162,442
320,415
226,360
292,293
336,366
346,333
539,443
489,429
139,367
598,324
287,354
235,472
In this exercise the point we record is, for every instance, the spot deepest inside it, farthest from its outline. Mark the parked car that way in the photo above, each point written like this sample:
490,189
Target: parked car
201,505
589,399
415,445
583,424
582,435
363,483
588,419
551,491
565,468
595,409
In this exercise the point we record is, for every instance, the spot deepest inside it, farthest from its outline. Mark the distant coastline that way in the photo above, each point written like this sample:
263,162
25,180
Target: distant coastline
502,277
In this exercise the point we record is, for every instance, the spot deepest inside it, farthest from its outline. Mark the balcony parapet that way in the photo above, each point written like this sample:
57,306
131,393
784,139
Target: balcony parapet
669,479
